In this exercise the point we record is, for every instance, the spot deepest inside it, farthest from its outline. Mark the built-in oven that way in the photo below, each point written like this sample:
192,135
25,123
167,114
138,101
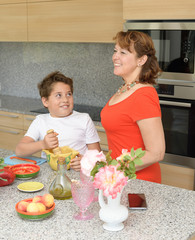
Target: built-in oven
178,117
174,44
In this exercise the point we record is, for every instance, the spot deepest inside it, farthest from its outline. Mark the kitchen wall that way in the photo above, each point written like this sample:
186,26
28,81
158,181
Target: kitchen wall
23,65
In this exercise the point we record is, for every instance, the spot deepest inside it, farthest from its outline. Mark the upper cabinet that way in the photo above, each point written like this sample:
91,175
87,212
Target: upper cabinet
74,20
152,9
31,1
13,21
12,1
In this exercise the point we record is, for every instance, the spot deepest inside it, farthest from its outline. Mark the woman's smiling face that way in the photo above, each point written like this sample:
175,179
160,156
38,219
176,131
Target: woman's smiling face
125,62
60,102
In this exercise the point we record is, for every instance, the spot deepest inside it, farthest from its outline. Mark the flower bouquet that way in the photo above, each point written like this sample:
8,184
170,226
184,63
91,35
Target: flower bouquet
111,175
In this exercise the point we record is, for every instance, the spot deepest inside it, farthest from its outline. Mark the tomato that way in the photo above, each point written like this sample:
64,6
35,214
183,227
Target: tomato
6,177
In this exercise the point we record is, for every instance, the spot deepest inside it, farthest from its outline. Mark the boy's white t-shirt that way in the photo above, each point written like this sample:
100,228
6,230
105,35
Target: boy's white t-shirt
75,130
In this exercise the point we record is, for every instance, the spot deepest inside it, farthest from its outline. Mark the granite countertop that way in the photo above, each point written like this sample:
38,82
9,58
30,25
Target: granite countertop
31,105
170,214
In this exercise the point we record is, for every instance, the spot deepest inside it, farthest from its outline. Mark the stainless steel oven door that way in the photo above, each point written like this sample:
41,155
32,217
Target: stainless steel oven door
178,119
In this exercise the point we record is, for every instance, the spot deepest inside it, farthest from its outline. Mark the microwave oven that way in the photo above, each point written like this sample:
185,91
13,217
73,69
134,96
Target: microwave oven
174,42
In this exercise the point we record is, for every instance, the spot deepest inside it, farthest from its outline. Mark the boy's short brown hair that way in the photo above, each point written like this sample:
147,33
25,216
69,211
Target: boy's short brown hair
46,85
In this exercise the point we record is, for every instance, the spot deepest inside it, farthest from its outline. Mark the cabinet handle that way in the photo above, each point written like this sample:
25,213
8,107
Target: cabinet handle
12,132
104,149
101,130
29,119
176,104
7,115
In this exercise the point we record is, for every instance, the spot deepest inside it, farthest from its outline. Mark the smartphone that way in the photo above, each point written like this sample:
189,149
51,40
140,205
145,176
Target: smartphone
137,201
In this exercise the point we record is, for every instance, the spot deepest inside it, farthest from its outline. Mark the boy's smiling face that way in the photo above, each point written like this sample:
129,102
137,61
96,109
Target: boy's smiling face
60,102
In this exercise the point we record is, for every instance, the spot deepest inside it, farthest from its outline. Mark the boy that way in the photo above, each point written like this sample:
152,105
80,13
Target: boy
73,129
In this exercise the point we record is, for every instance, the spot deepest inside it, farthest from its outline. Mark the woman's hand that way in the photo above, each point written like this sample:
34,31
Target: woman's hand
75,163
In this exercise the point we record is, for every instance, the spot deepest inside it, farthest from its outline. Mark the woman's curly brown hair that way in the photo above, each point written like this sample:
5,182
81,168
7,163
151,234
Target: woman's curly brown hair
143,45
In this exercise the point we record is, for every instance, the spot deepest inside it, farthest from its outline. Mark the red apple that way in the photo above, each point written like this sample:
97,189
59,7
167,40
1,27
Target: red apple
22,206
48,200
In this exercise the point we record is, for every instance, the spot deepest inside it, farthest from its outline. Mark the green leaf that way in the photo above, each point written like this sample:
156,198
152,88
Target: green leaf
132,176
132,152
94,170
97,167
138,161
132,165
127,158
139,153
108,157
114,162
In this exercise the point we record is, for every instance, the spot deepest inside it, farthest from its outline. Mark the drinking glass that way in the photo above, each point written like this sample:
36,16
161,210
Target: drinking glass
83,194
85,178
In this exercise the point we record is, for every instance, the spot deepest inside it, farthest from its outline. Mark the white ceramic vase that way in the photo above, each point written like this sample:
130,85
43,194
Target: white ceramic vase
112,213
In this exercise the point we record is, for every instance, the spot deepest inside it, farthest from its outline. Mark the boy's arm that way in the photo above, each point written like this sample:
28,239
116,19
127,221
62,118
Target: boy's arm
93,146
27,145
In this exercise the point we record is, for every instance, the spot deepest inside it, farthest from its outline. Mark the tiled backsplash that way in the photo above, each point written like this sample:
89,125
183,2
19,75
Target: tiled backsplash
23,65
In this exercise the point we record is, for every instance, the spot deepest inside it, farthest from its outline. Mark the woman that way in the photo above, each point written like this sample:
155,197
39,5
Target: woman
132,117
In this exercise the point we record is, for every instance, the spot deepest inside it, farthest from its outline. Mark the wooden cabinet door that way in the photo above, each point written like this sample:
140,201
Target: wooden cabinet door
13,22
74,20
177,176
10,119
12,1
31,1
27,121
152,9
103,139
10,137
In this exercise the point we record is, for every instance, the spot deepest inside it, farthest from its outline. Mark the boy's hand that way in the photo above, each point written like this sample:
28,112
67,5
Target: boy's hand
75,163
50,141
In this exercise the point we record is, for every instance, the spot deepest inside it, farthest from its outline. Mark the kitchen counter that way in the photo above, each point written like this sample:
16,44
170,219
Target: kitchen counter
34,106
170,214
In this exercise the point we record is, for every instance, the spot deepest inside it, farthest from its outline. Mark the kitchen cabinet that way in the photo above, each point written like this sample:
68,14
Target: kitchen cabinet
13,22
74,20
152,9
103,139
30,1
177,176
27,121
12,1
13,126
11,129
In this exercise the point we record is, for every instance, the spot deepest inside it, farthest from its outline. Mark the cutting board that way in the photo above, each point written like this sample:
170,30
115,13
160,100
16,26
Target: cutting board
14,161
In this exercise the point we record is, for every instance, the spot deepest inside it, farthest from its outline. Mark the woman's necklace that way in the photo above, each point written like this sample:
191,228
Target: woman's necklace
126,87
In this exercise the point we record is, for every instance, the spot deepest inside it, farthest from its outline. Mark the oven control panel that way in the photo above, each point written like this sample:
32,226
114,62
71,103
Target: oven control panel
165,89
176,91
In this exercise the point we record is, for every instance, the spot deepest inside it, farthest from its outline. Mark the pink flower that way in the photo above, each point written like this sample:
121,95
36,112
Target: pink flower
110,180
124,153
89,160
